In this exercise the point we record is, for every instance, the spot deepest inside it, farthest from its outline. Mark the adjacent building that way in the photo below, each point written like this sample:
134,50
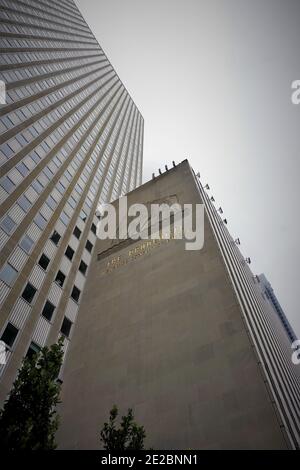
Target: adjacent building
270,295
71,136
185,338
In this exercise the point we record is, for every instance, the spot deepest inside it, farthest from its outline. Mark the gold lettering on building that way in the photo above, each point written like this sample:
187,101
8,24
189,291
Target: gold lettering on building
136,252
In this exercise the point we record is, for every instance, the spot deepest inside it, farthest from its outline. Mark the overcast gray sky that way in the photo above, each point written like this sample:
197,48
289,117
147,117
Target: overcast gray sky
212,79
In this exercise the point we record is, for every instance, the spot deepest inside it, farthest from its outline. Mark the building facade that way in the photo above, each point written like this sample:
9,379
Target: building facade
270,295
182,337
71,136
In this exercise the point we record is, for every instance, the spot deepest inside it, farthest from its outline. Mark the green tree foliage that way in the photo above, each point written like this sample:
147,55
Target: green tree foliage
29,419
129,436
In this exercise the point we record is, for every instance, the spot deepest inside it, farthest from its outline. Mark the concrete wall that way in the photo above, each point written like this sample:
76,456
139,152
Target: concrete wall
164,334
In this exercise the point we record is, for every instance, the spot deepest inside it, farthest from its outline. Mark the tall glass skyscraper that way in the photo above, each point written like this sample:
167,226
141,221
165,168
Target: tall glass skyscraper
71,137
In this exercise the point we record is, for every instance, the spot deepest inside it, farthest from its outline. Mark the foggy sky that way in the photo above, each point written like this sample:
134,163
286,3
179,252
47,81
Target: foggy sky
212,79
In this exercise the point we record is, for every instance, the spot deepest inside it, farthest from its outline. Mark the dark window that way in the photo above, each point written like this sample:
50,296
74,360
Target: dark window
89,246
69,252
60,278
94,228
82,267
44,261
66,327
9,334
75,293
48,310
77,232
55,237
29,292
32,350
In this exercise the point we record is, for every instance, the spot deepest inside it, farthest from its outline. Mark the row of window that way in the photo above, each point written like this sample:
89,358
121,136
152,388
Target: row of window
10,333
42,22
42,104
38,32
43,69
45,10
8,273
24,57
46,43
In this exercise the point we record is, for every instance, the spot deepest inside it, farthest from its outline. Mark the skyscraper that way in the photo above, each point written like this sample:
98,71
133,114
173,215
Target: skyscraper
71,137
271,297
183,337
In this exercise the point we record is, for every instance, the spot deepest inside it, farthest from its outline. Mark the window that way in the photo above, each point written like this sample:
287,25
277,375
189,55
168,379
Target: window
22,169
51,202
48,172
60,278
29,292
24,203
26,243
72,202
37,186
9,335
89,246
83,215
7,184
55,237
64,218
44,261
77,232
35,157
69,252
33,349
8,224
66,326
60,187
82,267
48,310
75,293
8,152
8,274
40,221
94,228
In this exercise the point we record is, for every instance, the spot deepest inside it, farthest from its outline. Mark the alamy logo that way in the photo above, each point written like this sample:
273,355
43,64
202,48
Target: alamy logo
2,92
296,94
296,354
162,221
2,353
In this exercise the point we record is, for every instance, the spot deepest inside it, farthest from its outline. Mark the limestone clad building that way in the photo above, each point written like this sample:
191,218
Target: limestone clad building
182,337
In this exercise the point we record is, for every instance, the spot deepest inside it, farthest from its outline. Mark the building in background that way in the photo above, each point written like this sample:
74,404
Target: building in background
71,137
269,294
185,338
